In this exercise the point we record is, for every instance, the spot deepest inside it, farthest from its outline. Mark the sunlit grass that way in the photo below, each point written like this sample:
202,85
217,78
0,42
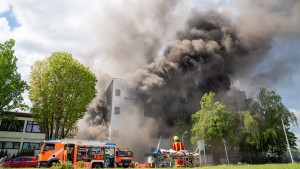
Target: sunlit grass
265,166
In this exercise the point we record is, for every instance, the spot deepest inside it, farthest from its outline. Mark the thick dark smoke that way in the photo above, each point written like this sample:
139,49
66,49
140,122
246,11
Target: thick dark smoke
203,58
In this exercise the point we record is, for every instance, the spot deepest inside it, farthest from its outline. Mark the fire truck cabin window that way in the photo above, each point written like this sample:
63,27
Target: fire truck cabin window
124,154
49,147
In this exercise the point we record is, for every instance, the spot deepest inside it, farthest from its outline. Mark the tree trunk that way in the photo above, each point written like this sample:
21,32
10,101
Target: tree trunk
67,132
56,129
46,124
62,133
51,126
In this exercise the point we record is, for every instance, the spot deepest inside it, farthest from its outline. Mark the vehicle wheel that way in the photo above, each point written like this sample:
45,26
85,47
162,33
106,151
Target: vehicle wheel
97,165
51,163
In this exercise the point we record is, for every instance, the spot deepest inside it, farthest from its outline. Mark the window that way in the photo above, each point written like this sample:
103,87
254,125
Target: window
124,153
28,159
117,110
16,145
35,146
49,147
118,92
9,145
32,127
18,159
12,125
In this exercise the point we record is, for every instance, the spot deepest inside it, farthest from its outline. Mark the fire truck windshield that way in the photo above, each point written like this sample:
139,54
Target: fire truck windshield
49,147
125,154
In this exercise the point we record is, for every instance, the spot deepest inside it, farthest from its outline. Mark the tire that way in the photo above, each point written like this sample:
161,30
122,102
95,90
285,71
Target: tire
97,165
51,163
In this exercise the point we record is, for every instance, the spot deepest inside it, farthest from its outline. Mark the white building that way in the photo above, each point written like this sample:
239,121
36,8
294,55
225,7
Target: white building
125,109
24,133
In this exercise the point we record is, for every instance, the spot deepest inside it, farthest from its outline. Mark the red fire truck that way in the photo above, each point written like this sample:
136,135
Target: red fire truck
93,154
124,158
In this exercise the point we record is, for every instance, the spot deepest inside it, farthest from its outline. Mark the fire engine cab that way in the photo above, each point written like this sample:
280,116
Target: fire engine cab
124,158
93,154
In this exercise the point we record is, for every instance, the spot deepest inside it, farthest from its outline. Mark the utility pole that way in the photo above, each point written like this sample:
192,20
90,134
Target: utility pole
287,141
226,151
183,134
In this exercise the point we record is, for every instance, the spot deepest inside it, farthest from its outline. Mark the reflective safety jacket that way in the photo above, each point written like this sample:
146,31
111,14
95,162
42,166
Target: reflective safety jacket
177,146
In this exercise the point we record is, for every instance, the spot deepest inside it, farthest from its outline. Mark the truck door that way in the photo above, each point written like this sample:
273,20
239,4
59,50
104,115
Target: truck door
70,152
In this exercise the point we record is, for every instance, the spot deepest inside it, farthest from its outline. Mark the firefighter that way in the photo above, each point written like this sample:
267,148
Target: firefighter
177,146
111,161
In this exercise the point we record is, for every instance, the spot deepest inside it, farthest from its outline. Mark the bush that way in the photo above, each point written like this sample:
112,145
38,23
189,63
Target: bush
56,166
66,165
80,164
27,152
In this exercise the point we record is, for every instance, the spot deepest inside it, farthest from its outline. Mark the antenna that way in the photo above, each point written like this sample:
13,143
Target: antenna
158,144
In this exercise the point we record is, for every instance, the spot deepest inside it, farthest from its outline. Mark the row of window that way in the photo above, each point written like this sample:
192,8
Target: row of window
16,145
18,126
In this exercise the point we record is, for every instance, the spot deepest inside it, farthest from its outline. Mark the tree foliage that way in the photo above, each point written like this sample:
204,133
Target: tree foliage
60,89
212,122
252,134
263,124
11,84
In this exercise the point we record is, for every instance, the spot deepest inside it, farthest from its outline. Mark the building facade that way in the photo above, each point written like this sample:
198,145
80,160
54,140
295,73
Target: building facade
23,133
125,110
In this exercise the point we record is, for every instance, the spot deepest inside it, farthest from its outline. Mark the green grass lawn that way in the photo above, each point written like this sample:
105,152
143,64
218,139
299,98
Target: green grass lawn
265,166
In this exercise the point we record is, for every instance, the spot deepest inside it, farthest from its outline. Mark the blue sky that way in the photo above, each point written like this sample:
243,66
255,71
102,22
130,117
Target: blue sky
93,30
9,16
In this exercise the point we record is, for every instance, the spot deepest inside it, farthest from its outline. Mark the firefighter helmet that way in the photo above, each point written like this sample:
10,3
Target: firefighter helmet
176,138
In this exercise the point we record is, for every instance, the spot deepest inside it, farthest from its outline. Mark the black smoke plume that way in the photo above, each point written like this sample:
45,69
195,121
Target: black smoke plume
202,59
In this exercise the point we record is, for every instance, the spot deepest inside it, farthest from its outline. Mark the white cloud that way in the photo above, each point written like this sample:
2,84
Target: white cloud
4,6
4,27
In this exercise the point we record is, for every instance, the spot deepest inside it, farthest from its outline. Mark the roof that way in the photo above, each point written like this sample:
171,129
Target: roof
21,114
81,142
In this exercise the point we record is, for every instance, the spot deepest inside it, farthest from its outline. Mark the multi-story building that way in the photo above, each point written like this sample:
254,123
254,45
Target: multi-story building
23,133
124,106
128,123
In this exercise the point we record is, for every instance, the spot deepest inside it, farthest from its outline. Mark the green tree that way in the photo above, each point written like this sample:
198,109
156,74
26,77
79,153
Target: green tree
251,130
267,114
11,84
213,123
60,89
274,112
